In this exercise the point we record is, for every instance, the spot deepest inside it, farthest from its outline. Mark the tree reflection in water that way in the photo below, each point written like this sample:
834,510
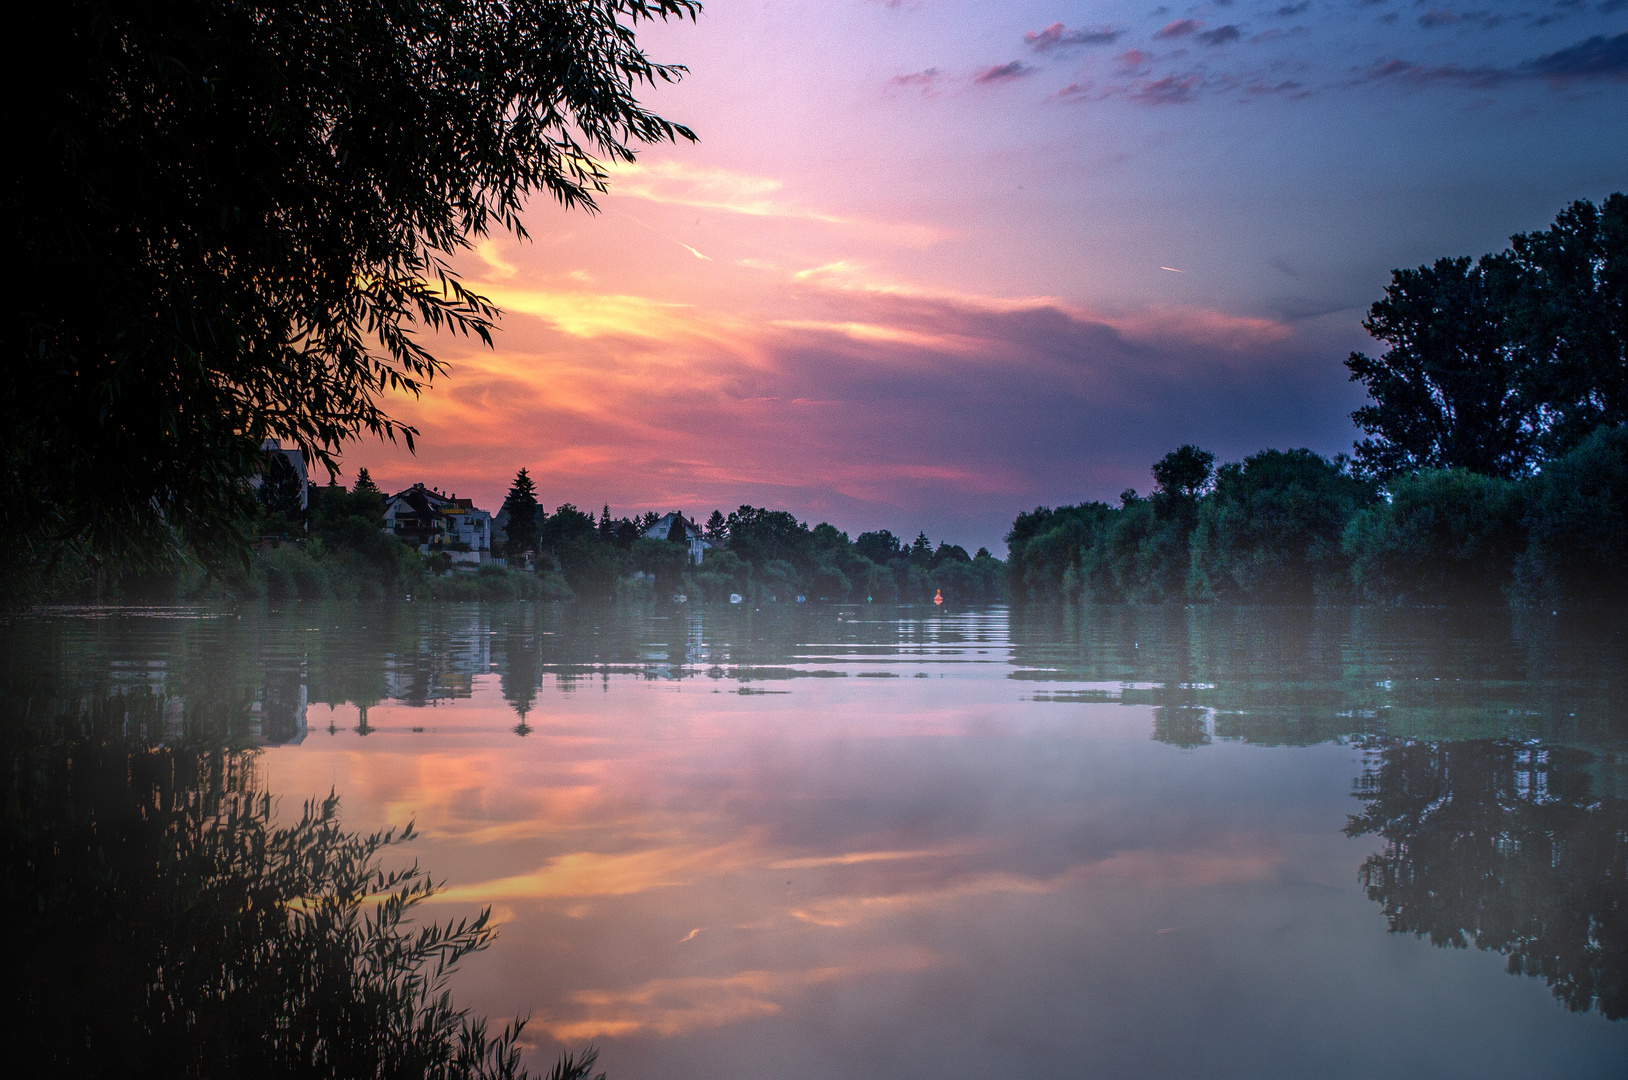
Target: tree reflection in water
163,926
1505,845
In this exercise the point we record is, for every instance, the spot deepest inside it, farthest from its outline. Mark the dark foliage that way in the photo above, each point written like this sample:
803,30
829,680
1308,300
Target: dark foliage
280,487
1448,392
521,504
1500,364
1503,845
165,928
246,212
1447,536
1577,526
1573,321
1271,531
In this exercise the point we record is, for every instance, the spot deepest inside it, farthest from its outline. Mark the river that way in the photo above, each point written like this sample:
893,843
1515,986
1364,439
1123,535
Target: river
1046,842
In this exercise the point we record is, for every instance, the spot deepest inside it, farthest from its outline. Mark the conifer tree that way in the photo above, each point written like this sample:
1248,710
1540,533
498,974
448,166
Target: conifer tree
521,503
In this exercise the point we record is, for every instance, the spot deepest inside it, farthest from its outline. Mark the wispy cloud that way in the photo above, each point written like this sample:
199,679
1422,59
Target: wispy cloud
927,81
1170,90
1438,17
679,1005
1597,58
1003,73
853,394
706,188
1221,35
1057,36
1178,29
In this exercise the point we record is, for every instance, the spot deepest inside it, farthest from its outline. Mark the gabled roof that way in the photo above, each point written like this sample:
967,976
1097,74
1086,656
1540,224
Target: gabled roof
663,527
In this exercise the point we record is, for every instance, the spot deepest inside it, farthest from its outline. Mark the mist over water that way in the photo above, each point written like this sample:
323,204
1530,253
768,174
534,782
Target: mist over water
1045,841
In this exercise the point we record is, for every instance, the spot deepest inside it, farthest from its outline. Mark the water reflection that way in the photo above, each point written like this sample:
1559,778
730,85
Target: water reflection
162,926
803,841
1507,846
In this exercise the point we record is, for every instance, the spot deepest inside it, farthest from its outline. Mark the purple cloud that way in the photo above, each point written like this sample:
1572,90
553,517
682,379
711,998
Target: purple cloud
1003,73
1440,17
926,81
1178,29
1286,88
1058,36
1220,35
1170,90
1598,57
1418,74
1132,61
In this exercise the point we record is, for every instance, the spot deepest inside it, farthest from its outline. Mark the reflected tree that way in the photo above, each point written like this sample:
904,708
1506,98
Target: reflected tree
1503,845
163,925
520,675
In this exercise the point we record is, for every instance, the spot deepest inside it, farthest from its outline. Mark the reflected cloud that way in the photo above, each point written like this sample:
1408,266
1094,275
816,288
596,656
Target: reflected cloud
678,1006
587,873
1144,868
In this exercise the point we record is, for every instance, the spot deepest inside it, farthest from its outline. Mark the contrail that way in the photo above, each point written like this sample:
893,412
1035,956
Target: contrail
664,236
1172,269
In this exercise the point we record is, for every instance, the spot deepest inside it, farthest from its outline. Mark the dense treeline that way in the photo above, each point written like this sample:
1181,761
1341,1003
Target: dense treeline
336,548
1292,527
758,554
1495,465
1265,530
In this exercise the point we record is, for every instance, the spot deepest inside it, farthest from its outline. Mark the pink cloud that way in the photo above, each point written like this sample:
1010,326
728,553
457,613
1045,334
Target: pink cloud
1178,29
858,410
1003,73
1170,90
1058,36
1132,61
926,81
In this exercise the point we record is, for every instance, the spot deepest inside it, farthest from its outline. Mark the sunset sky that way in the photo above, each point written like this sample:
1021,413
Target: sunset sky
933,263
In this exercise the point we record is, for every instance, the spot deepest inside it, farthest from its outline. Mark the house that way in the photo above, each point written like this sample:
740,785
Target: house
680,529
468,532
432,521
296,461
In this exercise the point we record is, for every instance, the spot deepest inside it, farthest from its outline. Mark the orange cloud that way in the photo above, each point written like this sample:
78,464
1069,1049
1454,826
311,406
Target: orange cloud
676,1006
705,187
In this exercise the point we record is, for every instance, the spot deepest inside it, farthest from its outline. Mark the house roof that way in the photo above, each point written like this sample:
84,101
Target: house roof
664,526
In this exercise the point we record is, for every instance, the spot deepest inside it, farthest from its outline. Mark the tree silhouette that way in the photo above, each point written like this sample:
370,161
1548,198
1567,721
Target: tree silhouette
521,503
1504,846
280,487
1498,364
258,206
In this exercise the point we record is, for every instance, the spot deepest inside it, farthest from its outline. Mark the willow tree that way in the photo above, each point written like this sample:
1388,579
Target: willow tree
237,218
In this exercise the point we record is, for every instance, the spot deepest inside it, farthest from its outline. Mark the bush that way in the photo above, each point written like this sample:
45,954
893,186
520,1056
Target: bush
1447,536
1271,531
1577,526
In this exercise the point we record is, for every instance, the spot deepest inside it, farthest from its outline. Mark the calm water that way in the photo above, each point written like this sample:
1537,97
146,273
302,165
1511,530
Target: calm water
819,843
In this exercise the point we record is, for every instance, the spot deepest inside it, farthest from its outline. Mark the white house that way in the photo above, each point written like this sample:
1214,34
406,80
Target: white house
296,460
432,521
688,533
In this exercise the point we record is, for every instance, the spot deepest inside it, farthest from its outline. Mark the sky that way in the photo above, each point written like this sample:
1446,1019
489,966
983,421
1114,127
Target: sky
934,263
